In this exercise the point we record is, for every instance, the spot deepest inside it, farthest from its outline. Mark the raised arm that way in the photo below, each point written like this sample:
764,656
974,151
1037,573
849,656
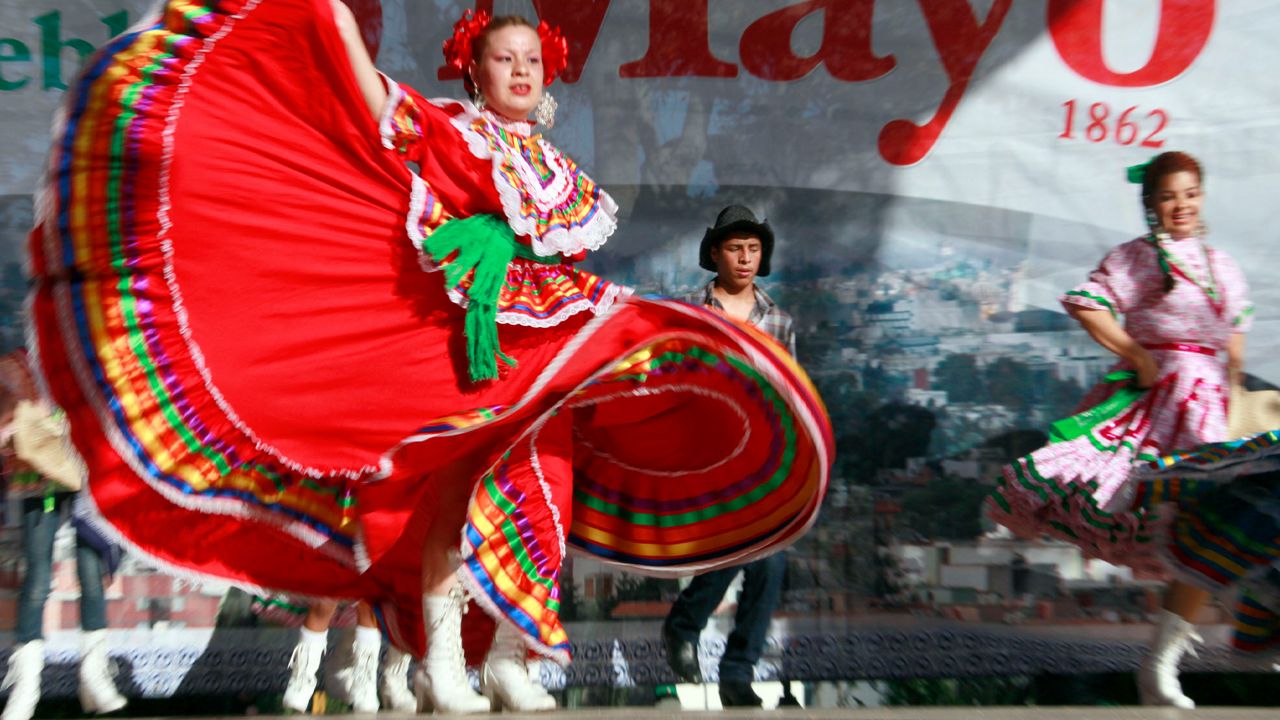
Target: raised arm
367,77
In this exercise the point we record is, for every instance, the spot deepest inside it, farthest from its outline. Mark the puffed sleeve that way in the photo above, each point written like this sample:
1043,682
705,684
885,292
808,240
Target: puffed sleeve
451,179
1115,284
404,123
1235,290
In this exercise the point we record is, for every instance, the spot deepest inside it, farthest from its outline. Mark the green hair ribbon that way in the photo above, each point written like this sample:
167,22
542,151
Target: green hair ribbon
1137,173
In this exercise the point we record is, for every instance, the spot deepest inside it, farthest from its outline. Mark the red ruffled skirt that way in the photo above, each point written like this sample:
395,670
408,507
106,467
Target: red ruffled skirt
268,389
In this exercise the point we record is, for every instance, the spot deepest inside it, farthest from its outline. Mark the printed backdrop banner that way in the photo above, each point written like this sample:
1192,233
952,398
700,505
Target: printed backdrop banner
1014,121
938,172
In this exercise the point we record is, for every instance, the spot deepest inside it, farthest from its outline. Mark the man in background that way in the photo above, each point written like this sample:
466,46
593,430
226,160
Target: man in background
738,250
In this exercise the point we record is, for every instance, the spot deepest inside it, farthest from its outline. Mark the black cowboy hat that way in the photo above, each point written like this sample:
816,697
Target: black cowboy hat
737,218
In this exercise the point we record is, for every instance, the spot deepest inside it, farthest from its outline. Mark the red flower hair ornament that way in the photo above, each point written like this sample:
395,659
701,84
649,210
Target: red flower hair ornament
459,49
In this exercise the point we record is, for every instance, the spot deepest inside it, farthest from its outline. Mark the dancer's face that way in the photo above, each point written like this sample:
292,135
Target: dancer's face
737,260
1176,203
509,73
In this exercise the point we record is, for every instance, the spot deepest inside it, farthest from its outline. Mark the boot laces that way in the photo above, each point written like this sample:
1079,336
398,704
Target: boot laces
450,642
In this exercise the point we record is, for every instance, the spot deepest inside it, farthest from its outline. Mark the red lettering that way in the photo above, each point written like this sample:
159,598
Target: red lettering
580,22
1076,29
846,43
444,72
678,44
961,42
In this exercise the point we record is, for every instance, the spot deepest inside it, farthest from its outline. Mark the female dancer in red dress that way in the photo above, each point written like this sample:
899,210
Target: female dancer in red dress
292,362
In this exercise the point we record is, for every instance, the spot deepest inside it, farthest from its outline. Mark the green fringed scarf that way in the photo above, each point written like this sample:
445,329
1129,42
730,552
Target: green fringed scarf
484,245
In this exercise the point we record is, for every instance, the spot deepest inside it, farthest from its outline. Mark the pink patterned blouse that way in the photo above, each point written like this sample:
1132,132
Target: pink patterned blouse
1209,301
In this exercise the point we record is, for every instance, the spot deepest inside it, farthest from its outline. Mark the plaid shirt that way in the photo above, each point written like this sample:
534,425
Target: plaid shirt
766,315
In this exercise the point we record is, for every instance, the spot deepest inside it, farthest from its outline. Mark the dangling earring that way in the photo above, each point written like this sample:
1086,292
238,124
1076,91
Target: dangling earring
477,97
546,110
1152,222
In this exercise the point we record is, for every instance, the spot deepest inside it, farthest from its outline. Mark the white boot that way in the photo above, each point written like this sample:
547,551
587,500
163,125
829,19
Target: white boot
303,665
98,692
505,677
1158,676
364,677
394,689
441,682
23,680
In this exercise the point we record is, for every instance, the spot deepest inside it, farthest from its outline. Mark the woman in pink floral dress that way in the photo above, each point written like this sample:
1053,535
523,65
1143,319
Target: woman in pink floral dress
1185,308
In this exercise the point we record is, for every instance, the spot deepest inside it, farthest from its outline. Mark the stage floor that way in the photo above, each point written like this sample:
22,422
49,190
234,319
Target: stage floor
897,713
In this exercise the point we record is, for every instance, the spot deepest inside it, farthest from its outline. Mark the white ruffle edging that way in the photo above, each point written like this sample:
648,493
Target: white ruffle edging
567,241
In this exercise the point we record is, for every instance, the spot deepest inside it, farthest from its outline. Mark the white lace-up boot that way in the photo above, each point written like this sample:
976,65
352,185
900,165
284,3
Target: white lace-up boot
505,677
1158,676
394,688
98,692
23,680
441,682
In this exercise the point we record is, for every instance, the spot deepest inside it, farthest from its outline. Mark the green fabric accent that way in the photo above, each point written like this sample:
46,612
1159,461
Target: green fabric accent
1000,502
1162,256
482,246
276,602
1066,531
1077,425
1243,314
1167,263
1089,512
1029,476
1096,298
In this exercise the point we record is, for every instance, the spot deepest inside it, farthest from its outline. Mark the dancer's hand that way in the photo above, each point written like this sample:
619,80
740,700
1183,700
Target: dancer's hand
1146,366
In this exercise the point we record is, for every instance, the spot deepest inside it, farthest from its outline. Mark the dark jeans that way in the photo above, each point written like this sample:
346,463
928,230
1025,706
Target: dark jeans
38,529
761,591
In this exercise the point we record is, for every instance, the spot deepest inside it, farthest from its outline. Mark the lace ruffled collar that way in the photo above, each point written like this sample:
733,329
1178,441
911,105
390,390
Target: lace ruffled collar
523,128
544,196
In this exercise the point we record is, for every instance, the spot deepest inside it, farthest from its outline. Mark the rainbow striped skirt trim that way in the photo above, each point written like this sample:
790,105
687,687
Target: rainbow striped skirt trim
1224,528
